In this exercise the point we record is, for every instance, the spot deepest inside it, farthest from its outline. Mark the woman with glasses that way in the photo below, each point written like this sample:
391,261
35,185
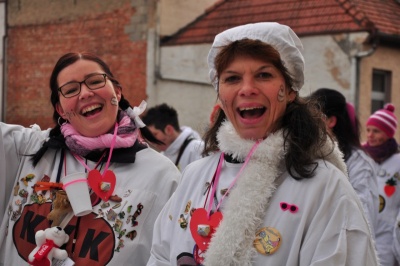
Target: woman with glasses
90,178
273,189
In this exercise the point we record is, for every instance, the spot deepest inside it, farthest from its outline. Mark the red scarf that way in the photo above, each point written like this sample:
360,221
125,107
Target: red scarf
41,254
382,152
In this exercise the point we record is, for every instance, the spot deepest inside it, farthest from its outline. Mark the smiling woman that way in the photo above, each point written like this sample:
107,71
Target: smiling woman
115,186
273,188
252,89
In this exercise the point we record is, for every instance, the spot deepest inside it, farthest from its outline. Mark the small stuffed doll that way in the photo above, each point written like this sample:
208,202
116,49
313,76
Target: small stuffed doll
48,246
61,207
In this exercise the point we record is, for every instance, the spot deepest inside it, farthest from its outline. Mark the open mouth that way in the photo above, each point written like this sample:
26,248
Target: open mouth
252,112
92,110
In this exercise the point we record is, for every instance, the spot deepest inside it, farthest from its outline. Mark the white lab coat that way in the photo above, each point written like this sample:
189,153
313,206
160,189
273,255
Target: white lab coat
386,244
329,228
192,151
362,176
149,181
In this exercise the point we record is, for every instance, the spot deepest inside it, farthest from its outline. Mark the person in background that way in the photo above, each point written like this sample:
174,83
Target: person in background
182,145
95,138
273,188
342,122
383,148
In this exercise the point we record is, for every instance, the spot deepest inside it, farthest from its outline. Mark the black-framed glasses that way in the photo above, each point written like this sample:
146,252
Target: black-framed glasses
73,88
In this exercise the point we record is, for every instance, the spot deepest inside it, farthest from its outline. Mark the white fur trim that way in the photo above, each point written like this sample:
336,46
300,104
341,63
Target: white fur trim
232,243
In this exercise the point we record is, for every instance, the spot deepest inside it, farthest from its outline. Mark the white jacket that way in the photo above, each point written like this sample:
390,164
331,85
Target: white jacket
386,244
148,182
329,227
192,151
362,176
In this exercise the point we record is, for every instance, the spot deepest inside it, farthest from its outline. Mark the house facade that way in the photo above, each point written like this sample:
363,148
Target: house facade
158,48
124,33
351,46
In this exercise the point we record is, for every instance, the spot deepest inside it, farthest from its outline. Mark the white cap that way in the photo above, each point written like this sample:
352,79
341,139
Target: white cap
280,37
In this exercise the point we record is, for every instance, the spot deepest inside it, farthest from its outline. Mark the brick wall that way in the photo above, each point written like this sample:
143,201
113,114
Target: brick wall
34,45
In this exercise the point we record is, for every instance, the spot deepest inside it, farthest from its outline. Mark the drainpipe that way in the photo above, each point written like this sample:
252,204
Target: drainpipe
355,73
153,58
3,85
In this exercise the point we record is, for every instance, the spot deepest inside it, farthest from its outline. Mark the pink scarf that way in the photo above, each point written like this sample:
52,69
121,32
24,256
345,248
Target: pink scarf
127,134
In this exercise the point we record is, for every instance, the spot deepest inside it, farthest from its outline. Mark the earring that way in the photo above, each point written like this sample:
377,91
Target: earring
59,121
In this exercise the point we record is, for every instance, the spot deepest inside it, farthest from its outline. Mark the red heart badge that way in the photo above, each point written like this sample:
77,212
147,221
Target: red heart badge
95,181
199,221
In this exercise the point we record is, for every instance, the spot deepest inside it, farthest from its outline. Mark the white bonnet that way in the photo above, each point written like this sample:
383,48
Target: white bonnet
279,36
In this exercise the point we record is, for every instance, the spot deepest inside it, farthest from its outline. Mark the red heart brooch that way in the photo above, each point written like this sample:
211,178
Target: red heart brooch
203,228
96,182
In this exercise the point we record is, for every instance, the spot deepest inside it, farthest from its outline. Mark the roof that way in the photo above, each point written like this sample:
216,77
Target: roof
305,17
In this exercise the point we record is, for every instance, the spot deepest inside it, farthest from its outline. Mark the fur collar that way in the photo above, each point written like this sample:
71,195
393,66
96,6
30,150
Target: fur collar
250,197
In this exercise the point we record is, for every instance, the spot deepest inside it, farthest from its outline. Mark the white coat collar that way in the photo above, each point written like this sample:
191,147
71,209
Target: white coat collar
232,243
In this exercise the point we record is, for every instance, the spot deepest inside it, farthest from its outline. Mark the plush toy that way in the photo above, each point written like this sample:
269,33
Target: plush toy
61,207
48,243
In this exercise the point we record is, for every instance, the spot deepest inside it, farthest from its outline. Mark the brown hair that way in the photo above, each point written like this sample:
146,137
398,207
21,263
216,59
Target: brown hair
56,139
304,129
254,49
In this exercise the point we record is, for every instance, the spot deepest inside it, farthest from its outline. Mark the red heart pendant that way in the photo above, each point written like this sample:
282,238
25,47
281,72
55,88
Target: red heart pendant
95,180
198,222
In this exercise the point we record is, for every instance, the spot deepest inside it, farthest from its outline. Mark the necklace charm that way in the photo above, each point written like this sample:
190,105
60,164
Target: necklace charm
203,230
200,220
95,180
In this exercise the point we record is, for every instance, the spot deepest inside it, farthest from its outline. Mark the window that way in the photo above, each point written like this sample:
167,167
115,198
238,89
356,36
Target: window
380,89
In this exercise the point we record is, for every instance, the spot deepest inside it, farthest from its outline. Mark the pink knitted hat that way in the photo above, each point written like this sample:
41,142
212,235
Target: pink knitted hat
384,119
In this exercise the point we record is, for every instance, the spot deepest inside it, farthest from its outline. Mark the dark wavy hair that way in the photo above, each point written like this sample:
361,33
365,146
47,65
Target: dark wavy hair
56,139
333,103
161,116
303,127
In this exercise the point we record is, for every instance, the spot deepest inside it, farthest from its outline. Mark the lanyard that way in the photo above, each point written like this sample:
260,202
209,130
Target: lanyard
218,173
109,155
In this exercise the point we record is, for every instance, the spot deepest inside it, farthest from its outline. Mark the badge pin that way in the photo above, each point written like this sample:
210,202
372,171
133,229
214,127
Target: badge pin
268,240
27,178
127,193
118,225
182,222
203,229
187,208
224,191
115,198
290,207
207,186
16,189
120,245
111,215
131,235
105,205
100,214
105,186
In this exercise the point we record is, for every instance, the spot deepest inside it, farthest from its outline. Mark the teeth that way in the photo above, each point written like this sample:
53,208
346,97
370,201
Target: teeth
90,108
249,108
